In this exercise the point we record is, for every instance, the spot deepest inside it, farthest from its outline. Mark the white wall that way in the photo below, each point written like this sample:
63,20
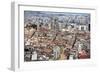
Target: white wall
5,31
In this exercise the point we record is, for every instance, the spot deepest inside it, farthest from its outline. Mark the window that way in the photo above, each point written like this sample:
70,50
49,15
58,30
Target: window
82,28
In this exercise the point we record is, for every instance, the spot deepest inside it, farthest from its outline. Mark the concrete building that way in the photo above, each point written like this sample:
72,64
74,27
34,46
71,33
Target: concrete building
82,27
56,52
34,56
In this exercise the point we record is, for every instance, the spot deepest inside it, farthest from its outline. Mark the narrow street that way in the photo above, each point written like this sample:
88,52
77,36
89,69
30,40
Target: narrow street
62,56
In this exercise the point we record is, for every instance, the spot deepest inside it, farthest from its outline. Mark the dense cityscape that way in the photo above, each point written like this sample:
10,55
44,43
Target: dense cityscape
50,36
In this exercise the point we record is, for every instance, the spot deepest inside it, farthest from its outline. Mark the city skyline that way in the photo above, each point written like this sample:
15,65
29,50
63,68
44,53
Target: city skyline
62,16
